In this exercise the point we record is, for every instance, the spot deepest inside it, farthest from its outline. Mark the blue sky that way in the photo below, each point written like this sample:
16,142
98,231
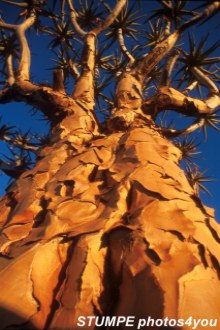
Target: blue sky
19,114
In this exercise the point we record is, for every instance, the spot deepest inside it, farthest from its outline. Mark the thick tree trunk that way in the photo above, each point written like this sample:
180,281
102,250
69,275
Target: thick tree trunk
107,225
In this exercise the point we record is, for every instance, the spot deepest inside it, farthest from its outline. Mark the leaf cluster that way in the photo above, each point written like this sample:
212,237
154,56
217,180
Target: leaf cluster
197,179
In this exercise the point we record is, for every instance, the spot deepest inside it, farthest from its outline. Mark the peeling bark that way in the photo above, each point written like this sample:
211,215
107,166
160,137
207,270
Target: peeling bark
117,226
106,223
170,98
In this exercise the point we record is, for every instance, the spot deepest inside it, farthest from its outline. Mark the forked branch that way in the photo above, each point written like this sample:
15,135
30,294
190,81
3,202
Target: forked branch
84,87
146,64
25,57
111,18
102,26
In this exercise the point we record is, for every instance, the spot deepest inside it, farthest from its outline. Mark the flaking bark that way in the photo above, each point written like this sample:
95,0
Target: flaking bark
121,204
106,223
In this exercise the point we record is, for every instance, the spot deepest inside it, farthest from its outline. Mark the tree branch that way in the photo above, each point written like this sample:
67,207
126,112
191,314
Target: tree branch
169,67
83,91
123,47
19,144
167,21
63,10
171,132
25,60
72,66
207,12
84,87
110,19
74,71
19,4
204,80
8,26
58,83
167,29
38,97
171,99
146,64
73,17
130,84
190,87
9,63
54,105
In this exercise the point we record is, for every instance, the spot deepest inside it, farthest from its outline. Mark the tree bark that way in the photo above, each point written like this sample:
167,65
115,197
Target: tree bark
106,225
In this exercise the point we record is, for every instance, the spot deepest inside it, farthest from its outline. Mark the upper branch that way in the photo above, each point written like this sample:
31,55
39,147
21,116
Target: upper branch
169,67
172,132
207,12
123,47
146,64
110,19
143,66
103,25
130,85
25,60
8,26
11,76
171,99
83,91
18,4
20,143
73,17
204,80
62,10
190,87
84,87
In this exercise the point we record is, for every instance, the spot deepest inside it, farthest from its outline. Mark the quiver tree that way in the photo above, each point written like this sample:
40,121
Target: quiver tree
106,222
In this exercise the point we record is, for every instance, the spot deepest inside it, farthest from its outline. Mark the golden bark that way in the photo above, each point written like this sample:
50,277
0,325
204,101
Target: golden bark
106,223
108,227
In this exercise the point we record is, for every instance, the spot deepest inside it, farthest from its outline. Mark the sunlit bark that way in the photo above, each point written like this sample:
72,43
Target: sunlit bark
106,223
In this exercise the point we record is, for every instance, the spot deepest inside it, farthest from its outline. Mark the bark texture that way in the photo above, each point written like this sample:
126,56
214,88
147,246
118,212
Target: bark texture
110,226
107,223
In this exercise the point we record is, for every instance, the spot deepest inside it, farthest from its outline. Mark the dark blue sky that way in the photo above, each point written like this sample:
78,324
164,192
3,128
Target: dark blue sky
19,114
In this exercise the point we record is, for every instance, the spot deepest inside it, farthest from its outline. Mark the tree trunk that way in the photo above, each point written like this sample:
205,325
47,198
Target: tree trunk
109,226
